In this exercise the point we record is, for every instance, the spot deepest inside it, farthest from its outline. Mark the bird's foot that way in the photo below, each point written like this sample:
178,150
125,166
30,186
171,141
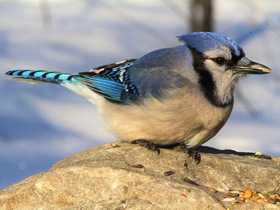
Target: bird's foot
149,145
195,155
192,154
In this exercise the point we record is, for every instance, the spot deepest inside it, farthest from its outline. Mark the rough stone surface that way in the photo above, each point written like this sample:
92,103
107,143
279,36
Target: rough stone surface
124,176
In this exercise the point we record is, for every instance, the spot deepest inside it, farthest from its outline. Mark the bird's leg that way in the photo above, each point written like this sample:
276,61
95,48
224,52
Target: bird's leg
192,153
149,145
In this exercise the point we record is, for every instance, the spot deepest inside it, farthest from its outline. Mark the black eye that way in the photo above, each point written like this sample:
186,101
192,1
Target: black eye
219,60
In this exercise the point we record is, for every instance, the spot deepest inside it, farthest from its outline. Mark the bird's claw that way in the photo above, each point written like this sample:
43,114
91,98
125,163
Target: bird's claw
149,145
192,154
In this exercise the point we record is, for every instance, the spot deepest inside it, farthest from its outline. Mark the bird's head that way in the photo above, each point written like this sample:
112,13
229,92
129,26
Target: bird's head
219,62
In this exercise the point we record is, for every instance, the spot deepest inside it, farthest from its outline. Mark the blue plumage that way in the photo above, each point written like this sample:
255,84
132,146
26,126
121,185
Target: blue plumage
111,81
174,95
132,80
42,75
203,41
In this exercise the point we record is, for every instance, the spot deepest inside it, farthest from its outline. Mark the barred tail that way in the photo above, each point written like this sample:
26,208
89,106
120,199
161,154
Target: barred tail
40,76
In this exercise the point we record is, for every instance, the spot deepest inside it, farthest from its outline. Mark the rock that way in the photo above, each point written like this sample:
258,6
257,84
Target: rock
124,176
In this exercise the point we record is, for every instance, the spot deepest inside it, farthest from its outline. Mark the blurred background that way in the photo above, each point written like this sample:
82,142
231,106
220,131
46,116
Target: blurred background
42,124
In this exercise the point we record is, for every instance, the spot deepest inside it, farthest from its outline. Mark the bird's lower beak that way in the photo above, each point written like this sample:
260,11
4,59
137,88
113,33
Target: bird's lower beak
247,66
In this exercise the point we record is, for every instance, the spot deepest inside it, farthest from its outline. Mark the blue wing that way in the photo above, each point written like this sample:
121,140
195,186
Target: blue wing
112,82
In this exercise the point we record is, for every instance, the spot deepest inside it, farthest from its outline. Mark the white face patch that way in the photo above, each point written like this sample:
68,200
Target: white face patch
224,79
213,66
219,52
210,64
225,83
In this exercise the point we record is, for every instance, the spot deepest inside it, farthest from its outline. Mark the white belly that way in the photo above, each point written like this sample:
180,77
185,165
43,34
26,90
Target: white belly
174,120
184,116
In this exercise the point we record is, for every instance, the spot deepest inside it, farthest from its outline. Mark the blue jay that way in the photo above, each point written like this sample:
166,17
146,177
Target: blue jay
169,96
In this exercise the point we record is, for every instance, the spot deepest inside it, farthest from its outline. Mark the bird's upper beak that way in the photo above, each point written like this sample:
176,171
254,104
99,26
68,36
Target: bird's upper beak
247,66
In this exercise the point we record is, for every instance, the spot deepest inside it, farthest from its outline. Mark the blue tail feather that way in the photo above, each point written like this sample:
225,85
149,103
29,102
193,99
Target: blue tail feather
41,75
109,89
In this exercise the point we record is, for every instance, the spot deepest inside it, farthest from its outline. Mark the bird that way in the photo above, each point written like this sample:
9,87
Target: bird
176,95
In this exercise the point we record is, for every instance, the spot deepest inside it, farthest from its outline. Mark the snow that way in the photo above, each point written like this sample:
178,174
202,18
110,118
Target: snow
41,124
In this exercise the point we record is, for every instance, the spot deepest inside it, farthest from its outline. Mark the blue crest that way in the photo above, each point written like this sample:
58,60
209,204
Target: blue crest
203,41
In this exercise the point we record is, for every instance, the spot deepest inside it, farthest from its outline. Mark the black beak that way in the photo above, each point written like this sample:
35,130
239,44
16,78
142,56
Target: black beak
247,66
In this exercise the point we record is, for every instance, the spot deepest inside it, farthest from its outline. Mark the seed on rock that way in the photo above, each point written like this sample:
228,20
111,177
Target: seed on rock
212,190
248,193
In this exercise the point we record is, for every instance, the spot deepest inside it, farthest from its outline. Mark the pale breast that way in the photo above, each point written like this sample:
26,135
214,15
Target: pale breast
183,116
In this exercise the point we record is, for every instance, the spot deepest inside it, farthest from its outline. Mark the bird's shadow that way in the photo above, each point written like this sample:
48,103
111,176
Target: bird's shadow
211,150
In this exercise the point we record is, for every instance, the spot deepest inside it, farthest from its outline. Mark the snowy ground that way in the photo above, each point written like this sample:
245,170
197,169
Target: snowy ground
40,125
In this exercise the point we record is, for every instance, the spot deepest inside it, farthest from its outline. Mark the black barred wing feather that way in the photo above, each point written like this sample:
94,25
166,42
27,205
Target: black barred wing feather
112,82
